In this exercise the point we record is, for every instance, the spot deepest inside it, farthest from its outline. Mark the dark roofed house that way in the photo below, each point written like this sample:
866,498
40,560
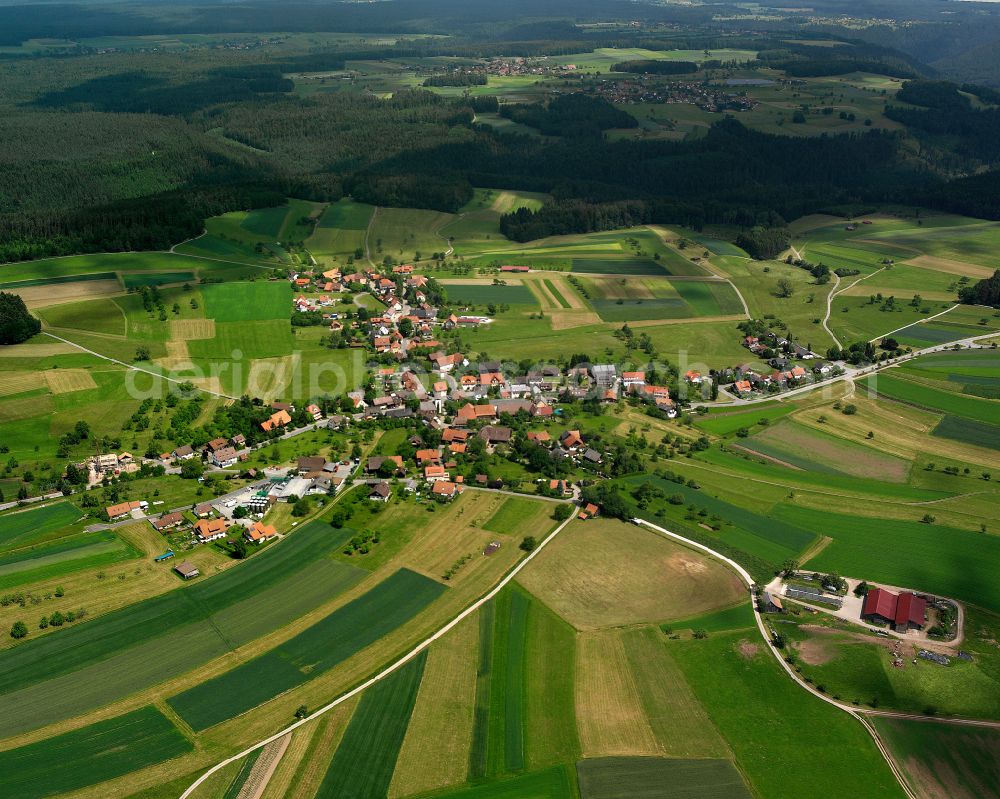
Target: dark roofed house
168,521
902,612
592,455
380,492
310,463
187,570
493,434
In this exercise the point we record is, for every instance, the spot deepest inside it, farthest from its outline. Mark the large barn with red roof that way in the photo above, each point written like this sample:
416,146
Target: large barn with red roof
903,611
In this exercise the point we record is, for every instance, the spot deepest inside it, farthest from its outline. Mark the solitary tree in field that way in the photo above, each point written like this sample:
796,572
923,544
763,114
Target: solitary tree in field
784,287
18,630
16,324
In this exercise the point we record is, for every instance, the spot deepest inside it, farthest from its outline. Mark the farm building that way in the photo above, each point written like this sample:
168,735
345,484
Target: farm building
187,570
902,612
123,509
769,603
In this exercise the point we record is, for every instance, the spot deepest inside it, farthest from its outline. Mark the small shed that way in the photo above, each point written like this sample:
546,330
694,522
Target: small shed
187,570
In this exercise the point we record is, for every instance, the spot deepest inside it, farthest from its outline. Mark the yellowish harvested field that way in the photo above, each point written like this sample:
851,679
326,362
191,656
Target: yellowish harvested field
63,381
17,382
35,350
677,718
603,573
177,356
190,329
544,296
281,780
609,713
563,320
949,266
25,408
56,293
435,752
212,384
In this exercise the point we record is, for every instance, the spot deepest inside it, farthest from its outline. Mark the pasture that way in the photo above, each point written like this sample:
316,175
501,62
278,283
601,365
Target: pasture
54,560
889,386
484,293
89,755
659,778
317,649
407,234
96,316
340,231
247,301
605,573
765,727
726,421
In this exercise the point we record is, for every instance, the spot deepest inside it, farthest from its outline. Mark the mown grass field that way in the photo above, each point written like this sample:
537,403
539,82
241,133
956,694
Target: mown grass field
317,649
553,783
247,301
364,762
605,573
729,421
89,755
896,388
485,293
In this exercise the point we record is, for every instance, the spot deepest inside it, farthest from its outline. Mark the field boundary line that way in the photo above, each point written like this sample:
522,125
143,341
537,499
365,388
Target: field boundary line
392,667
918,322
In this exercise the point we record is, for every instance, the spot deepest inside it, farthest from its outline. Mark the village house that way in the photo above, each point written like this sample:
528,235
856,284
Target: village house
380,492
184,453
123,509
445,489
375,463
208,530
259,532
168,521
278,419
433,473
223,457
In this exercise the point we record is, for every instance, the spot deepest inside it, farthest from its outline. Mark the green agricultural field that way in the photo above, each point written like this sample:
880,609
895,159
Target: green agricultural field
55,281
931,333
659,778
247,301
24,527
553,783
505,748
780,735
510,515
265,222
364,761
816,451
49,561
97,316
556,293
405,233
709,298
341,230
738,617
958,428
927,557
98,661
617,266
317,649
891,387
156,279
641,310
485,293
96,753
944,759
98,265
727,422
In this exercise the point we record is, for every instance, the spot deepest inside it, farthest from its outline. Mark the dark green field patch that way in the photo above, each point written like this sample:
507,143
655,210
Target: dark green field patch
968,431
363,764
23,527
131,281
315,650
930,333
617,266
709,298
924,396
265,221
738,617
552,783
49,281
486,293
346,215
90,755
659,778
718,246
640,310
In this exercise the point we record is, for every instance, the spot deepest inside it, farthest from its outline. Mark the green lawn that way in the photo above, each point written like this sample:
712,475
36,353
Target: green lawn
317,649
247,301
89,755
